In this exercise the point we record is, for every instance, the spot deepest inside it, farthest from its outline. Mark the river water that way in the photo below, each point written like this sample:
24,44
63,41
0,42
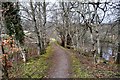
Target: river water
108,50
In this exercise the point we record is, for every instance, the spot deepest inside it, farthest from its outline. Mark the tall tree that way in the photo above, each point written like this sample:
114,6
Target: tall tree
1,67
118,20
12,20
12,23
35,26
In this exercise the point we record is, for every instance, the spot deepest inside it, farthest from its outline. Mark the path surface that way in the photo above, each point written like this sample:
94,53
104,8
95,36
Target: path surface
60,63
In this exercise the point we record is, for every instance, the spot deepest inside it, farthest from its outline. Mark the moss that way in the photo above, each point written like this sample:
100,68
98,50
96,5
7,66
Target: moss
76,69
34,68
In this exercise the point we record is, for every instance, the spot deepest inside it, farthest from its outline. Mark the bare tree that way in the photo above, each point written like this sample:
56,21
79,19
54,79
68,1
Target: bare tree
35,26
118,20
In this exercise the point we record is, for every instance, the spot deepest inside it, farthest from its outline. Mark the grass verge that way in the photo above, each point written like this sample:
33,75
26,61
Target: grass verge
77,72
34,67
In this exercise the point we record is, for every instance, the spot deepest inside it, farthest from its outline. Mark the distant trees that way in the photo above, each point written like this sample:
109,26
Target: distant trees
79,18
66,21
80,24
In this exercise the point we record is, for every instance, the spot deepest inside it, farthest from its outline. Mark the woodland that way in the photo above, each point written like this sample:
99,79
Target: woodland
59,39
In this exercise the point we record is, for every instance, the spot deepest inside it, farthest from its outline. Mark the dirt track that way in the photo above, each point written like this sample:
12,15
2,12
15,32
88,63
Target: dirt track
60,63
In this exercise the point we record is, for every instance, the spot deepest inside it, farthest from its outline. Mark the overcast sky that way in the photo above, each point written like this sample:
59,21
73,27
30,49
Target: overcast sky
59,0
108,17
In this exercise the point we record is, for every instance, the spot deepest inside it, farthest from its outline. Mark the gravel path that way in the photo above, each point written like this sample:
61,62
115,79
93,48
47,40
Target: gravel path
61,63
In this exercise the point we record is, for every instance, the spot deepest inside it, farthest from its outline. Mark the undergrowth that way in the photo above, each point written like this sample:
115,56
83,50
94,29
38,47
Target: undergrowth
34,67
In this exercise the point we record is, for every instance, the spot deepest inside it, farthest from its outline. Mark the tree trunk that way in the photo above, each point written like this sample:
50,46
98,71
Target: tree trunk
5,72
63,41
0,54
44,26
21,50
40,28
118,54
36,28
0,41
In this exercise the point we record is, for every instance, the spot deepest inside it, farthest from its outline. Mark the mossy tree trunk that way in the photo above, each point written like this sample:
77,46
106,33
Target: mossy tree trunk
118,20
118,54
12,20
